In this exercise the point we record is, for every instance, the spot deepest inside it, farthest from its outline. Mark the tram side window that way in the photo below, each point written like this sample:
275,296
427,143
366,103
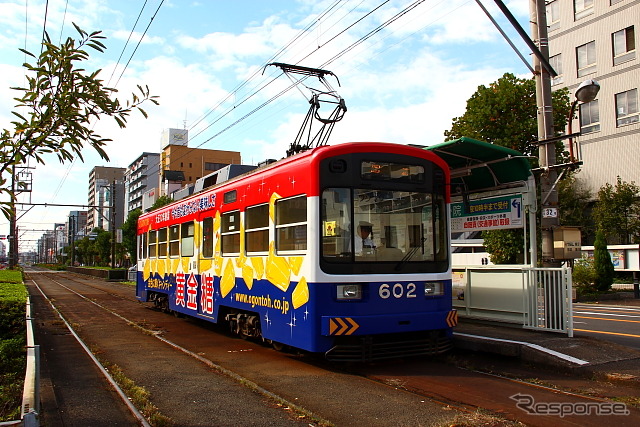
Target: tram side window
162,243
230,233
291,224
142,246
207,237
257,228
153,248
174,240
186,243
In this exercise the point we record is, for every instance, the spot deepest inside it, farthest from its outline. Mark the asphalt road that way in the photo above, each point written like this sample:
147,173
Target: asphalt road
619,324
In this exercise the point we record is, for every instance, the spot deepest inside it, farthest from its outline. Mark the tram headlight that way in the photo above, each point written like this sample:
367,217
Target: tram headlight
433,289
351,291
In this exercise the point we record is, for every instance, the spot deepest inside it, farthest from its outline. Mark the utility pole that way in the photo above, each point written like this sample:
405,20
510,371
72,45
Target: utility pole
13,235
550,217
113,224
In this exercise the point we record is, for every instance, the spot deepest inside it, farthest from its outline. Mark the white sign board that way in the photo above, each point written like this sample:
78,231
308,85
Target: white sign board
495,213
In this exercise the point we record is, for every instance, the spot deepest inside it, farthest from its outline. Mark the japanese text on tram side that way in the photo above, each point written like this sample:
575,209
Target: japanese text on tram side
262,301
158,284
187,208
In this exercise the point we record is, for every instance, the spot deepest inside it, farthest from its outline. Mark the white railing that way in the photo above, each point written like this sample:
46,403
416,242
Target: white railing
536,298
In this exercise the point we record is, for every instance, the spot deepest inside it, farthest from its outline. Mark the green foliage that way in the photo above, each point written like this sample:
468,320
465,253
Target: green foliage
617,212
160,202
13,295
103,246
504,246
505,114
602,264
10,276
129,234
57,105
584,275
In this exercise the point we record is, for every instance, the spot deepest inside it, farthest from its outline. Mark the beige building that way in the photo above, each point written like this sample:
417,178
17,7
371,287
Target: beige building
595,39
181,165
196,162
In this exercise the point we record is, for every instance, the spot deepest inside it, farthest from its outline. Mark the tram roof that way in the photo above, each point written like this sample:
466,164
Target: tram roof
481,166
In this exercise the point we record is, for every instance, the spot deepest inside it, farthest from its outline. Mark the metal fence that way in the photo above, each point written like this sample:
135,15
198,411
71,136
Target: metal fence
536,298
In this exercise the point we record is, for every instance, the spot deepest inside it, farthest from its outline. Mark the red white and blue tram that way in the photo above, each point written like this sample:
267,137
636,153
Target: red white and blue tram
342,250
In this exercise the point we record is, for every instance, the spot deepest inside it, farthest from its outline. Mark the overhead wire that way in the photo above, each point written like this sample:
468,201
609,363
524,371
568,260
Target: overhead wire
135,24
139,42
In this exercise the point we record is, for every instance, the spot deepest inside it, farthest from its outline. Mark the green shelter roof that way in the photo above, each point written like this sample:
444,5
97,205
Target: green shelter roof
480,166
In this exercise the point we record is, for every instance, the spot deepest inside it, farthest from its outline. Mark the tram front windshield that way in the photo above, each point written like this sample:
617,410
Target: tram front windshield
368,225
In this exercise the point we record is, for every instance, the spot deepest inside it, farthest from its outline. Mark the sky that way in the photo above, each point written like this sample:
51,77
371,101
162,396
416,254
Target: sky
406,69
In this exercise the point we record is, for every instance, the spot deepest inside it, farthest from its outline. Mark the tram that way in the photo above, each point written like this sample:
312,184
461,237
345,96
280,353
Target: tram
342,250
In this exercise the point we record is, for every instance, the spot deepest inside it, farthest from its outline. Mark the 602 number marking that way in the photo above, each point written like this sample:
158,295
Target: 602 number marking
397,291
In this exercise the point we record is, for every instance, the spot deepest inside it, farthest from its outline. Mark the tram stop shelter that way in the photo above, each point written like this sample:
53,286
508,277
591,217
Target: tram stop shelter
492,188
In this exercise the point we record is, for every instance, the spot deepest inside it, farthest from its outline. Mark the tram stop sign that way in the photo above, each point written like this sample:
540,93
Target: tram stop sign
497,213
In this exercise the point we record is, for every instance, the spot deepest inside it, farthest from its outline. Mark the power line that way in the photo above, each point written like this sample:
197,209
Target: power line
127,42
139,41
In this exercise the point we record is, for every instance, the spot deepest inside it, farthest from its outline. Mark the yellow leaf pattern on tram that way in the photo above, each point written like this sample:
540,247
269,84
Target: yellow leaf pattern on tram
300,295
278,271
258,266
152,266
205,264
146,270
241,260
272,205
185,264
228,280
160,265
217,260
174,265
295,262
247,275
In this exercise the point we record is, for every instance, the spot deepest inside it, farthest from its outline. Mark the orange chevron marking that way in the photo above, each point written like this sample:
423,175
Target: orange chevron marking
342,326
452,318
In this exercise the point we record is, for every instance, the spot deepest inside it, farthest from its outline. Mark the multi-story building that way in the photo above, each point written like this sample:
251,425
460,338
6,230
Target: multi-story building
105,185
142,175
194,163
591,39
178,166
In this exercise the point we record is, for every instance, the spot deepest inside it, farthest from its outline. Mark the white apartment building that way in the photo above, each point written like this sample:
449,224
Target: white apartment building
595,39
142,175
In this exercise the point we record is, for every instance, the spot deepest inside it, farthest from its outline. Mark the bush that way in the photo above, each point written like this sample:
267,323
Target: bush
13,297
584,275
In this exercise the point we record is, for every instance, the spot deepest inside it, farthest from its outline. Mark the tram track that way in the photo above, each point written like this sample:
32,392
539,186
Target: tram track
250,364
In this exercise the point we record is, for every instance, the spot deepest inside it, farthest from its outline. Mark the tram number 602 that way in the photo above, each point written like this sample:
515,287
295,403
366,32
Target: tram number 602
397,291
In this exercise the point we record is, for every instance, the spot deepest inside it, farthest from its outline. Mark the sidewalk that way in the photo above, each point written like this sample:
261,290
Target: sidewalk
581,355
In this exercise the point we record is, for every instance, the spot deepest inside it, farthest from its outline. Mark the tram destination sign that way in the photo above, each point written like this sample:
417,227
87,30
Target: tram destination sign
495,213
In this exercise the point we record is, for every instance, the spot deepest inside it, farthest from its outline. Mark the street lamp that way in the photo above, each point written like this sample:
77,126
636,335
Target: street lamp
586,92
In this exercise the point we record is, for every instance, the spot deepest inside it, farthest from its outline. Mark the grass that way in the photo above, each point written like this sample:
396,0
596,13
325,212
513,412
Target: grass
139,397
13,297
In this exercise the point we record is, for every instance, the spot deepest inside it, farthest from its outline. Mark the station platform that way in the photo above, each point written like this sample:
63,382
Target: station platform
579,355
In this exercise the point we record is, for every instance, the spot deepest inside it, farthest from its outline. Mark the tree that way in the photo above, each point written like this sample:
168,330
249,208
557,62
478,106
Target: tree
602,263
504,246
160,202
575,200
103,246
505,114
617,212
130,232
55,110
